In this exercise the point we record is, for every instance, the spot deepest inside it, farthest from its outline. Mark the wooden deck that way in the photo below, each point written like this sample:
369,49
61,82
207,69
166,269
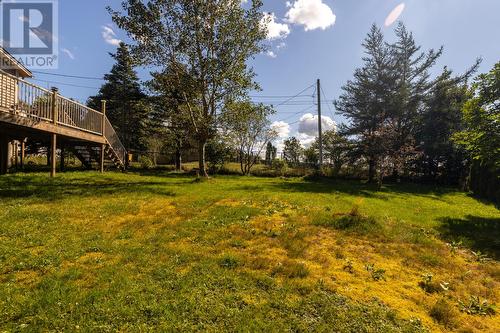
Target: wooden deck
28,111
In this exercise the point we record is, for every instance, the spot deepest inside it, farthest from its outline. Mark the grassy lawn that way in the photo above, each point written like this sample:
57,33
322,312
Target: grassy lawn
164,252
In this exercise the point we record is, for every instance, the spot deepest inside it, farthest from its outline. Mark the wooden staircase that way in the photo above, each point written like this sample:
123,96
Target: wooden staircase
30,111
90,157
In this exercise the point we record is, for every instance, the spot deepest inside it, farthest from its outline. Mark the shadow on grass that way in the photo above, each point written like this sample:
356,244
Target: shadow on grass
357,188
477,233
37,186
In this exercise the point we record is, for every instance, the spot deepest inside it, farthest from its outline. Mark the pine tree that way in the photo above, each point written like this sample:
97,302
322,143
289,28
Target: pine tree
127,107
366,100
412,88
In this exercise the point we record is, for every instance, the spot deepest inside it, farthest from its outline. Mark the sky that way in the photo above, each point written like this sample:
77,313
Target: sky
309,40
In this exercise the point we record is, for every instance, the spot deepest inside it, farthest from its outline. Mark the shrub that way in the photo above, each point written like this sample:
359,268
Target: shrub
279,166
445,314
146,162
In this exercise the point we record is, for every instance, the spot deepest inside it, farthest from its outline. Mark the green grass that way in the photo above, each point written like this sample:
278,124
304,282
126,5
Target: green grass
155,251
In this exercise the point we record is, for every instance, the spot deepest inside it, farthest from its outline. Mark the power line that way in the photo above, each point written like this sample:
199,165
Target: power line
297,113
328,104
65,84
71,76
295,96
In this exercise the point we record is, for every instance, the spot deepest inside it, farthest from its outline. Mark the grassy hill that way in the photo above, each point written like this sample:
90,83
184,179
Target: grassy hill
163,252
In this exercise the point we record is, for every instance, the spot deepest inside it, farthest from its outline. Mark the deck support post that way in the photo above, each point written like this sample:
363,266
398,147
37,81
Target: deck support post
23,153
103,126
4,155
53,157
101,158
63,158
15,154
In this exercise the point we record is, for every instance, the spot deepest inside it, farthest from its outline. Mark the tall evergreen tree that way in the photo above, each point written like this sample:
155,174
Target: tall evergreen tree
127,107
365,100
412,87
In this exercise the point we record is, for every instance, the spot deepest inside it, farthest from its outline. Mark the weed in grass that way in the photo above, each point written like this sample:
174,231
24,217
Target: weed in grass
430,286
480,257
229,261
445,314
348,266
353,221
455,246
291,269
477,306
377,274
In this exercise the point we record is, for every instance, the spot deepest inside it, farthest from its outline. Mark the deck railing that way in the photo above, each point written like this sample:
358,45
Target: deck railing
73,114
28,100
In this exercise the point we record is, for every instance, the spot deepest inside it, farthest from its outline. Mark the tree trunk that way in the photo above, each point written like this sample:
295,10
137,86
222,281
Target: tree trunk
371,170
178,159
201,158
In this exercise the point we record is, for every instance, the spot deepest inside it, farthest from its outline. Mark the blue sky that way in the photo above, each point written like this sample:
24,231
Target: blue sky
311,45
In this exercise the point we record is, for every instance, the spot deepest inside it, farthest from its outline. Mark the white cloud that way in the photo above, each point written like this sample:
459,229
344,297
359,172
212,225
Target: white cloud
312,14
308,124
282,128
394,15
306,140
274,29
68,53
271,54
110,36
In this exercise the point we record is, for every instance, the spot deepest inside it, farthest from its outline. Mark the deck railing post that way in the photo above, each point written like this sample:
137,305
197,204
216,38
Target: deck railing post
54,104
103,126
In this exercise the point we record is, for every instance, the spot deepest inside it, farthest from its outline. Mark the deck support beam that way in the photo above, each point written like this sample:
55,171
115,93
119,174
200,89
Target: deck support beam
101,158
53,157
63,158
4,155
23,153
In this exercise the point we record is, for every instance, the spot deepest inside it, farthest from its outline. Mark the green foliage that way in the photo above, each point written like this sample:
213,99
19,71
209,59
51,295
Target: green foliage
481,115
292,151
477,306
218,154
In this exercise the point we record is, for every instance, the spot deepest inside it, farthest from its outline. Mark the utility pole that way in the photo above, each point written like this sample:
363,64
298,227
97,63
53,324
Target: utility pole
320,132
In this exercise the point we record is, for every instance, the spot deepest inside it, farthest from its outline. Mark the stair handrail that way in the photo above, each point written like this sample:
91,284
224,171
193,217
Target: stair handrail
114,141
